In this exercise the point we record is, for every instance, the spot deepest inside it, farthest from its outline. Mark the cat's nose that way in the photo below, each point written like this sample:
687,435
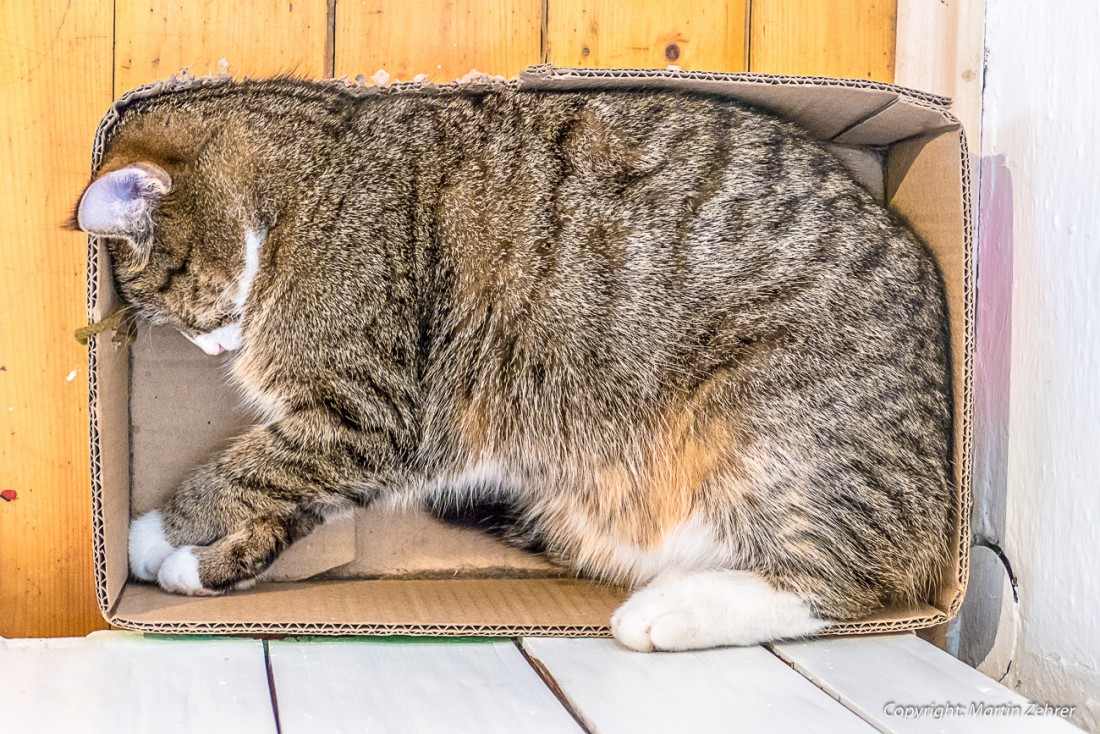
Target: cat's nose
205,343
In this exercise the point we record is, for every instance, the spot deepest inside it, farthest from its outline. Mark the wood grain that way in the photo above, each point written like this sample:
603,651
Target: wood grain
691,34
55,60
444,39
841,38
395,685
742,689
59,76
868,674
156,38
120,682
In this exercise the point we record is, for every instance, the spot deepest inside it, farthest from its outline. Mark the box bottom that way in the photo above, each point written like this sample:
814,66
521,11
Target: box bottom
438,607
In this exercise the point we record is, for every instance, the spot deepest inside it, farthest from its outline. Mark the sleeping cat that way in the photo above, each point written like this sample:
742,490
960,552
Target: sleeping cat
670,332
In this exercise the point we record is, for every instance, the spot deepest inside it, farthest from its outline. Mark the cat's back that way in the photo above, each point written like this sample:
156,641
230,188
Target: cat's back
618,212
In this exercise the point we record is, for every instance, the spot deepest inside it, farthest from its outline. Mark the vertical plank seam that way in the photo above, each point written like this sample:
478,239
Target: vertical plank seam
544,32
978,174
114,48
330,39
834,694
547,679
748,35
891,49
271,688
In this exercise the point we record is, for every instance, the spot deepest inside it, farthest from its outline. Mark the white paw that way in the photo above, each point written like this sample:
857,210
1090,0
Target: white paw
179,574
148,546
656,620
710,609
630,626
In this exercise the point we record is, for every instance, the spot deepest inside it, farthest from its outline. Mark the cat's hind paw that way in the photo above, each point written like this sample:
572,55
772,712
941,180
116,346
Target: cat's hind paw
630,626
179,574
654,621
148,546
705,609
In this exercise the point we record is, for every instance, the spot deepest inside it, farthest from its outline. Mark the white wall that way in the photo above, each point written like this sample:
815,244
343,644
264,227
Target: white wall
1037,472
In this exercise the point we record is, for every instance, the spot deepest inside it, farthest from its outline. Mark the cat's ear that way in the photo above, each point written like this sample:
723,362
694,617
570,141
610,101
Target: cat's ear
120,203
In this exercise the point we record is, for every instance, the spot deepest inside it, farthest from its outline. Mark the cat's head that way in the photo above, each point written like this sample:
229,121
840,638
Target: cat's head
172,226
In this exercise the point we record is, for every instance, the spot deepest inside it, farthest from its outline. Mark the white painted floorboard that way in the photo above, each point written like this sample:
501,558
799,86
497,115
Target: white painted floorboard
874,675
410,686
116,683
728,690
120,683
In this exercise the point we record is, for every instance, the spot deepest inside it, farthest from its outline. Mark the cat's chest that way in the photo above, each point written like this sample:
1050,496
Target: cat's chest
261,390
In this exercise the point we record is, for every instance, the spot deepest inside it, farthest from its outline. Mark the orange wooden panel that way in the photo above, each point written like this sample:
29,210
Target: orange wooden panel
444,39
842,38
691,34
56,58
55,63
156,38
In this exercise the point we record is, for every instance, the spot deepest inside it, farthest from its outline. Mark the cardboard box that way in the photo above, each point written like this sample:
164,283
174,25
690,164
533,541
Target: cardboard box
159,407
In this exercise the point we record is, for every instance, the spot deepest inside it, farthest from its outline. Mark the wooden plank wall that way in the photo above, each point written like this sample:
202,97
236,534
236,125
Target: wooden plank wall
61,63
55,76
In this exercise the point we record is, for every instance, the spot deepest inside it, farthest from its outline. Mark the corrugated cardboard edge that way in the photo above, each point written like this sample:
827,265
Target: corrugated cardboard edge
551,72
542,72
965,506
336,629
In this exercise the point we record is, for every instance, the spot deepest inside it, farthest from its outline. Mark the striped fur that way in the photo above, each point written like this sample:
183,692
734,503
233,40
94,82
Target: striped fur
669,332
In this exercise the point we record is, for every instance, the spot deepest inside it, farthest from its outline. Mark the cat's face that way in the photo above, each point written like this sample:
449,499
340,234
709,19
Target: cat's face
174,258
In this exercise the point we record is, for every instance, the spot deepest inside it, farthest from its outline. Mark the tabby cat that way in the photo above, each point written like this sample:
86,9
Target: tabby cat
669,331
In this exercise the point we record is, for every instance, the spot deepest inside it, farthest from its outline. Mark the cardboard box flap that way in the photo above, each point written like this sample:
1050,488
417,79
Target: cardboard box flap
824,107
897,121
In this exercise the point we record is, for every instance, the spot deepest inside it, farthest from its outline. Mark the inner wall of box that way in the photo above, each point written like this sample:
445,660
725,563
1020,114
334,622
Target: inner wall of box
110,416
924,179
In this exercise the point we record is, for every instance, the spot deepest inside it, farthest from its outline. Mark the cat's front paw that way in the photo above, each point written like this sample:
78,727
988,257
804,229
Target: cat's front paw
179,574
148,546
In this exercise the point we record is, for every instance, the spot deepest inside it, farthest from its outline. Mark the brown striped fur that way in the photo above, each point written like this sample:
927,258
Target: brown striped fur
629,311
